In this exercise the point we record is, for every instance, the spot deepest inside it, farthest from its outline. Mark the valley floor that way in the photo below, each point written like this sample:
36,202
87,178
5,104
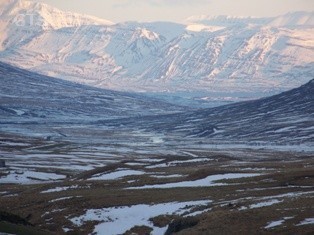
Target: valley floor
62,188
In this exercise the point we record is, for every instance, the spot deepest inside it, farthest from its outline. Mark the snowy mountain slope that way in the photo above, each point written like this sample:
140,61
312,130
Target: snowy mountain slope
208,53
280,119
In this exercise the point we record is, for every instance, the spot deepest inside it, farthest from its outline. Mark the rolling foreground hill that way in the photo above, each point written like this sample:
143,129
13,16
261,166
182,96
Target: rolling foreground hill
220,53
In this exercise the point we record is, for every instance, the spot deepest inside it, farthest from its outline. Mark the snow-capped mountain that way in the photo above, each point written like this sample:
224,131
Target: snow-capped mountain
220,53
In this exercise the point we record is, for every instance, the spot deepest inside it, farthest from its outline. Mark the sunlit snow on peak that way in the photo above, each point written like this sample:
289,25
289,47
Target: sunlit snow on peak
201,27
47,17
144,33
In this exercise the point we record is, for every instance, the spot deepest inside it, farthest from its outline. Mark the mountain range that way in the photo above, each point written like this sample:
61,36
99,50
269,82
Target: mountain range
209,53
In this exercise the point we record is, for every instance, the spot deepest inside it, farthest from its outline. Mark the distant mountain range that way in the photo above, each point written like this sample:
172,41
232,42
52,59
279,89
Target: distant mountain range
222,53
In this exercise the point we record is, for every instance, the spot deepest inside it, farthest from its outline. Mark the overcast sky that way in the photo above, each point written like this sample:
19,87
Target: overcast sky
178,10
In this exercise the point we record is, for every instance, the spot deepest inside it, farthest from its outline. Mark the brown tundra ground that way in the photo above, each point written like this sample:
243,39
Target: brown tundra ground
61,189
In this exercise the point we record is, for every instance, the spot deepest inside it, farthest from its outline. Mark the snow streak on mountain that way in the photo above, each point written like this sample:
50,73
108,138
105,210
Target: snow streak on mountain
219,53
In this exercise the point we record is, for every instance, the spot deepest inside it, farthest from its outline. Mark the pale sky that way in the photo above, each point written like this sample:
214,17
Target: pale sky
178,10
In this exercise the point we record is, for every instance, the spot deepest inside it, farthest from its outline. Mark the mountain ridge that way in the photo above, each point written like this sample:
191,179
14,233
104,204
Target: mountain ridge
303,18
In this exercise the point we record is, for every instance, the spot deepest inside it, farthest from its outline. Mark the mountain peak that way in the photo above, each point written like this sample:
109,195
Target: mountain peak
40,14
147,34
298,18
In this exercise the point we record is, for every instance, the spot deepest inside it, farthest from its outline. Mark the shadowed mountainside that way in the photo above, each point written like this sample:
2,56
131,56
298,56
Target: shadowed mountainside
45,104
287,117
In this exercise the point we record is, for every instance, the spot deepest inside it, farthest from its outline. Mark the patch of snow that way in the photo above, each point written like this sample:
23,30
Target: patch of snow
116,174
190,154
288,195
217,131
206,182
167,176
270,200
117,220
262,204
193,160
135,164
277,223
53,211
306,222
174,163
62,199
153,160
256,169
274,224
66,229
131,181
29,177
198,212
59,189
